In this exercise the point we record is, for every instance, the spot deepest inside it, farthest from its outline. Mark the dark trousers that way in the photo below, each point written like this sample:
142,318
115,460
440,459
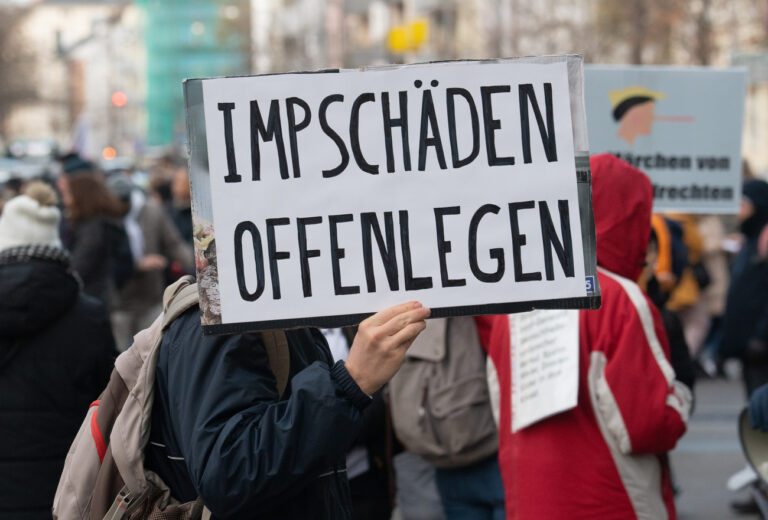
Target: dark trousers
370,497
472,492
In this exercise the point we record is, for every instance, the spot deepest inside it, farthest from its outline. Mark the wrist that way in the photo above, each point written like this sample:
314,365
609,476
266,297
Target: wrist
361,381
349,387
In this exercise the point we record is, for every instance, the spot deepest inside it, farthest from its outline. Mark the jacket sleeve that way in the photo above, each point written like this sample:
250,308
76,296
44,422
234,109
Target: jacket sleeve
106,353
99,351
244,449
174,247
644,408
485,326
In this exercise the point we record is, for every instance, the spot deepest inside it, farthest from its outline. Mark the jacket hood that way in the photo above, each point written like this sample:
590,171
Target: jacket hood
757,193
622,197
34,293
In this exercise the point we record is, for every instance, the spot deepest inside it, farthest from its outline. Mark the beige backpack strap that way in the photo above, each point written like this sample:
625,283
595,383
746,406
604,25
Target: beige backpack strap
183,294
179,297
279,356
172,290
206,514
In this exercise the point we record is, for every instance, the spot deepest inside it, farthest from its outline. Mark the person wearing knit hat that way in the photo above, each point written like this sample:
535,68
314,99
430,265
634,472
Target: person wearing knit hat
31,218
56,353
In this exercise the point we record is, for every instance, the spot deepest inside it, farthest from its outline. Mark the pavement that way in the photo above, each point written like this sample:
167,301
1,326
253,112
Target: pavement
710,452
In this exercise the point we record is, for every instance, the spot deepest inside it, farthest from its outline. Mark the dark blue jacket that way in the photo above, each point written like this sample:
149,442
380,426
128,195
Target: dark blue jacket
56,353
220,432
746,307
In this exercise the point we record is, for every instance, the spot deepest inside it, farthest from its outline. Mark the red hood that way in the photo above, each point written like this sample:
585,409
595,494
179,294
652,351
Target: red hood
622,197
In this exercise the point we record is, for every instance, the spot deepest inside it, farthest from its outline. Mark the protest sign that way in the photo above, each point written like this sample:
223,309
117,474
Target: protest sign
545,364
320,198
681,126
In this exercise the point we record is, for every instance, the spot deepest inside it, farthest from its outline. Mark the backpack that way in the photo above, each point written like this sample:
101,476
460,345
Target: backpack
104,475
441,405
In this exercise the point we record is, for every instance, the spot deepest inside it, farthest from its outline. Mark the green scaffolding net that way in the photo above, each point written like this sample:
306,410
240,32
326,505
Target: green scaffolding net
189,39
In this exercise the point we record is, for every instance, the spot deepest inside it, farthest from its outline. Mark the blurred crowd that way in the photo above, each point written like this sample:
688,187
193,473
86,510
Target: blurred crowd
85,256
128,233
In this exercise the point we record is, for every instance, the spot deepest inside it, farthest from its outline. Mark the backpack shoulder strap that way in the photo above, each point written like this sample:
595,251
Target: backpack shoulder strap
179,297
276,344
183,294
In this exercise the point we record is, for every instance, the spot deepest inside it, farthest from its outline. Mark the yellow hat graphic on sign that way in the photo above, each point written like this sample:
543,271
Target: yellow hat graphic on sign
624,99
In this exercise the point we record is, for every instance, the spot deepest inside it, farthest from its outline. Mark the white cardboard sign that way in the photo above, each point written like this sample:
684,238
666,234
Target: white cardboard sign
320,198
545,364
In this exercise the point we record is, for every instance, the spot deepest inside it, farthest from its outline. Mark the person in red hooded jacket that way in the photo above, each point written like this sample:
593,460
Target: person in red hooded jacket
604,458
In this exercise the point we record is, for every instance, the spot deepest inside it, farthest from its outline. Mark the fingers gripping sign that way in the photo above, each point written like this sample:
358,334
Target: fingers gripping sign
381,343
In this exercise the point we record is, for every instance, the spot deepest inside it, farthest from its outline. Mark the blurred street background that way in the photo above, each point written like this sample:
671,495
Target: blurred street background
103,78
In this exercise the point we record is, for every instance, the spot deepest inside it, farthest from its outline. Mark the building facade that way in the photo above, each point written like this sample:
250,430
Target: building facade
84,53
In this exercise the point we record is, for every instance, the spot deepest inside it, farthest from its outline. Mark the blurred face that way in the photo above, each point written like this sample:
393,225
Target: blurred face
640,118
746,209
180,186
66,194
651,255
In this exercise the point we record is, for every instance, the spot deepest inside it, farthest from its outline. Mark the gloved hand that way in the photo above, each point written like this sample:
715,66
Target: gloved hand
758,409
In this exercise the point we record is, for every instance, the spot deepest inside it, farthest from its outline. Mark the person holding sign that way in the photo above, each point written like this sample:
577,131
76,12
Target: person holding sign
324,197
222,432
603,458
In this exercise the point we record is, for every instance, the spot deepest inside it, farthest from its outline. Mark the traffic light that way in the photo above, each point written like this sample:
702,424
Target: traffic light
109,153
119,99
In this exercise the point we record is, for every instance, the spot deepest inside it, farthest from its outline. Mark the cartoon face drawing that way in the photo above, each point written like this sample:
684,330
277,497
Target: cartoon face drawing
633,109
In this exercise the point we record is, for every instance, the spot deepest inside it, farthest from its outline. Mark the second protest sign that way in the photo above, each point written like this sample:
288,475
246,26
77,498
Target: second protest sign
320,198
681,125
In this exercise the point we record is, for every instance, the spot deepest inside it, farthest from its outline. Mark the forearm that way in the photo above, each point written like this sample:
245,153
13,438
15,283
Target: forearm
277,447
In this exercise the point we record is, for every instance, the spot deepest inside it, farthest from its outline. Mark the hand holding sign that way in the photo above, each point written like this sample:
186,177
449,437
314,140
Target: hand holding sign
381,342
